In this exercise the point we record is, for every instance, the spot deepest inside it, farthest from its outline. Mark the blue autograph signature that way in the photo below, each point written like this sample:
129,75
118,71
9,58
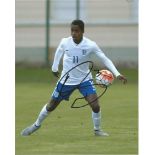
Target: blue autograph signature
66,76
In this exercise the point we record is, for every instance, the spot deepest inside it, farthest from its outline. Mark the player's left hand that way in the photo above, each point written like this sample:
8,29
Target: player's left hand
122,78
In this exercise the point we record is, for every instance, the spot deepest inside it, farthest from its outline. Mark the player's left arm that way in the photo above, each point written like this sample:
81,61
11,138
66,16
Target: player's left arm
109,64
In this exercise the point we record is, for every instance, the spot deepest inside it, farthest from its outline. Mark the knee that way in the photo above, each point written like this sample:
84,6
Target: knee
95,108
50,108
52,105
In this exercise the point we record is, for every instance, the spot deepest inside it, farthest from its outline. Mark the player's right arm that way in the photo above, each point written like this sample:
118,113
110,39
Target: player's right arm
58,55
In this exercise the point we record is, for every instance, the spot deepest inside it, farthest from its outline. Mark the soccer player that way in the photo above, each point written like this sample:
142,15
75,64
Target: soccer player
76,49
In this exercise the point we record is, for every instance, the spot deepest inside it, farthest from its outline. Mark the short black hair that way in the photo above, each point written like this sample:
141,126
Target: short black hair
78,22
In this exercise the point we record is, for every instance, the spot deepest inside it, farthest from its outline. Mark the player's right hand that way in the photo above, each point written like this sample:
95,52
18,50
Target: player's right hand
56,74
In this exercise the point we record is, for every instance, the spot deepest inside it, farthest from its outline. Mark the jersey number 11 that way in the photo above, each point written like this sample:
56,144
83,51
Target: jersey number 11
75,59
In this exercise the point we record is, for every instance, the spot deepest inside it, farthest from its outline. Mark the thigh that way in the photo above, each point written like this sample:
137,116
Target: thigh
87,88
62,92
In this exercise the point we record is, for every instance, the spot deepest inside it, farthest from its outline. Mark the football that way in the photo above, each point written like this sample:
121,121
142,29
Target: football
104,78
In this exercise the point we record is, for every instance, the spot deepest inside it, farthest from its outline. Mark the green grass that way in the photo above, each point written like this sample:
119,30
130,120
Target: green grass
70,131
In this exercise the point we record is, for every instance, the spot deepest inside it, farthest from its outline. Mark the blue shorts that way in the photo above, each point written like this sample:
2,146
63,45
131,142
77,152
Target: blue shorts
63,92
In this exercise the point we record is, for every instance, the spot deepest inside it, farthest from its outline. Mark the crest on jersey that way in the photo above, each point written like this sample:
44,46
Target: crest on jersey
84,52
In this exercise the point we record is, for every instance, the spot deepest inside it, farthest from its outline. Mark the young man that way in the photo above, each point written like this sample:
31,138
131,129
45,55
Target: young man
76,49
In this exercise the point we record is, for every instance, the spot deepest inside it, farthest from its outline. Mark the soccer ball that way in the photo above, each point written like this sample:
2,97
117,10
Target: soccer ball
104,78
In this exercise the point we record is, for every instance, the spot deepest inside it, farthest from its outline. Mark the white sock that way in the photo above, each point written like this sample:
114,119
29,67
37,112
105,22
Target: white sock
43,114
96,120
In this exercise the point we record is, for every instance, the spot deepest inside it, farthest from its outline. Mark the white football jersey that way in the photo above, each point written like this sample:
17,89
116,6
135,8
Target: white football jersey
75,57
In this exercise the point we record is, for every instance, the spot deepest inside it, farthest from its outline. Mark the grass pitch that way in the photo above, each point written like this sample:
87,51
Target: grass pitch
70,131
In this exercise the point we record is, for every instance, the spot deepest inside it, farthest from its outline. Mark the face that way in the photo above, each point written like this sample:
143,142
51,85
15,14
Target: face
76,33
